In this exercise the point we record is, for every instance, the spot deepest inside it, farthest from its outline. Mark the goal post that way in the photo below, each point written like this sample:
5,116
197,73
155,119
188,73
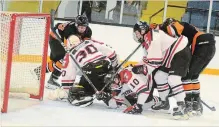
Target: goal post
24,45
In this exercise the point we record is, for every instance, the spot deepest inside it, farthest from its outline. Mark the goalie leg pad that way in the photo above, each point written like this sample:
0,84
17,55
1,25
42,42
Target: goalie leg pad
78,97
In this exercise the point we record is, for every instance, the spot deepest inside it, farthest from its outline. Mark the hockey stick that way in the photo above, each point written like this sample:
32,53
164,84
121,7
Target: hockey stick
119,67
52,15
211,108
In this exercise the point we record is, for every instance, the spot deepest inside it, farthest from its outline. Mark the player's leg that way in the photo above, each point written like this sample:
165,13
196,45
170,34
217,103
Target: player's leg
52,83
161,79
82,94
179,67
152,100
201,57
78,96
57,55
187,85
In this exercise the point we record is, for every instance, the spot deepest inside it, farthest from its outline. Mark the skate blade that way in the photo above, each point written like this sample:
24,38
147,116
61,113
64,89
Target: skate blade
196,113
190,114
161,111
51,87
181,117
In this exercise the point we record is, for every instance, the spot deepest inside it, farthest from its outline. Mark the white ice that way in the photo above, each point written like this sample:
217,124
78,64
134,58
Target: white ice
54,113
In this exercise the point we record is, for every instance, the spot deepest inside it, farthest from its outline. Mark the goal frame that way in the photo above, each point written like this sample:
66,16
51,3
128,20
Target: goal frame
11,42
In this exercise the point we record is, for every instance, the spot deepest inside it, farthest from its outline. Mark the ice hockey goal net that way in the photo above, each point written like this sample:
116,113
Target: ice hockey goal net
24,45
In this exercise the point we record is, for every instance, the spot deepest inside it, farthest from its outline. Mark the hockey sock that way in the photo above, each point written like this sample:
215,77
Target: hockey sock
56,74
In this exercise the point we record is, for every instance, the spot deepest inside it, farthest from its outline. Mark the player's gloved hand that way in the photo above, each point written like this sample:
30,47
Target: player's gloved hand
140,69
108,78
153,25
103,96
135,109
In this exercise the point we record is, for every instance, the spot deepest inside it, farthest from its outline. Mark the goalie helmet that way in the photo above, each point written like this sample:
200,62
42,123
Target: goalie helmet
73,41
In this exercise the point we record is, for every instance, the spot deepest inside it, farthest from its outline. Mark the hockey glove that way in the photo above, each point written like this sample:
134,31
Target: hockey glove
135,109
103,96
140,69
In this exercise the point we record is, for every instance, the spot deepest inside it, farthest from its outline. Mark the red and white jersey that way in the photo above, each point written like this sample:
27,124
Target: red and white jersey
138,85
160,48
84,53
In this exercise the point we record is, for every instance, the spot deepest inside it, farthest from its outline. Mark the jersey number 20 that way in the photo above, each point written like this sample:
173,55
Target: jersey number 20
89,49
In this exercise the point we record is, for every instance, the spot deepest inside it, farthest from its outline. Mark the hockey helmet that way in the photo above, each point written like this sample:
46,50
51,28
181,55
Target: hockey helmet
168,21
73,41
139,30
81,20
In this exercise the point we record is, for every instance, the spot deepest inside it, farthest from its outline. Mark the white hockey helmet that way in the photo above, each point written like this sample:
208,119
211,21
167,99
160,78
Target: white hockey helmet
73,41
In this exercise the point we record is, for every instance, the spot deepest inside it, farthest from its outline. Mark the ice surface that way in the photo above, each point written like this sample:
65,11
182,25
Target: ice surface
54,113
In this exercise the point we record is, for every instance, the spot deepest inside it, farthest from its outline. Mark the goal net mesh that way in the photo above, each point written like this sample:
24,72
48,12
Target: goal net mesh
23,43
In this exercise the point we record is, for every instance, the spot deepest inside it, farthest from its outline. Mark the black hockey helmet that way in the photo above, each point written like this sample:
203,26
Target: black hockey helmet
141,25
81,20
143,28
168,21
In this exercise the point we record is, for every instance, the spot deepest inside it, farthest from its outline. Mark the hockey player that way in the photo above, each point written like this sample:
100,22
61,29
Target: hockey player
96,60
171,57
203,50
64,30
133,90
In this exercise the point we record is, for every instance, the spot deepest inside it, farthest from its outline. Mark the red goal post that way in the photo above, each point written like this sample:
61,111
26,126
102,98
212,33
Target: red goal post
24,44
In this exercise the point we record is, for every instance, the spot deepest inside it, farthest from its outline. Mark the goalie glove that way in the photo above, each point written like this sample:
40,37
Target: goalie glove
135,109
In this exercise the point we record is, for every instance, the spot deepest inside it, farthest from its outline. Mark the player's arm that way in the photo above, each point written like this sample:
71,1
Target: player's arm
59,29
153,56
174,29
69,72
108,51
118,99
88,34
155,26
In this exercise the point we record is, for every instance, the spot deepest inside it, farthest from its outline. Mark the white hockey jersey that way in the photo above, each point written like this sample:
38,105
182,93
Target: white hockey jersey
160,48
84,53
137,85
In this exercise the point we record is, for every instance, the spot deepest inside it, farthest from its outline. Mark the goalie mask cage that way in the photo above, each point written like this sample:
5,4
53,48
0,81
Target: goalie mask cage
24,43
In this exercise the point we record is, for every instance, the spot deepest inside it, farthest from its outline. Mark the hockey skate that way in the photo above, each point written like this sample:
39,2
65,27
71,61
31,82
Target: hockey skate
180,112
53,80
52,83
161,106
189,108
197,108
